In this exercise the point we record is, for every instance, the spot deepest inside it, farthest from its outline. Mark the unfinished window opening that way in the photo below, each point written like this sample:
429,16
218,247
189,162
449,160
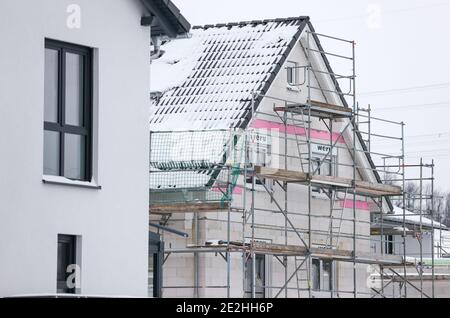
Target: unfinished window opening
260,276
292,73
259,153
322,275
325,166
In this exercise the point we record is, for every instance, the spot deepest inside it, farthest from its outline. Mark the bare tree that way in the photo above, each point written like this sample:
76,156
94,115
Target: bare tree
446,219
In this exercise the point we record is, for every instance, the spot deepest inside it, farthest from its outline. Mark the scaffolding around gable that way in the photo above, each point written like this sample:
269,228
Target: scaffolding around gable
201,172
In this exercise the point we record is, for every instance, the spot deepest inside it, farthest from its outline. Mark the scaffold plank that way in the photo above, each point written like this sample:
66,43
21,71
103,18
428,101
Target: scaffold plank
362,187
331,254
281,175
300,251
318,109
378,188
377,230
413,277
188,207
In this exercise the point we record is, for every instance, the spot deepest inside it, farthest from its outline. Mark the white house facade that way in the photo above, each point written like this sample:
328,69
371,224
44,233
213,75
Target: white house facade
74,119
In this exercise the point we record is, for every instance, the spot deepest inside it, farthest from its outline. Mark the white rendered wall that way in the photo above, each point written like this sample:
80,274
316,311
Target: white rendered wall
113,221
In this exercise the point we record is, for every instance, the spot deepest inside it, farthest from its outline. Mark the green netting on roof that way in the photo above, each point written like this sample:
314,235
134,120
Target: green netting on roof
194,166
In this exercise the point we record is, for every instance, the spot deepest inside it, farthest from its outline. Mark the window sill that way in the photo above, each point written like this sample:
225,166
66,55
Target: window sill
293,88
53,180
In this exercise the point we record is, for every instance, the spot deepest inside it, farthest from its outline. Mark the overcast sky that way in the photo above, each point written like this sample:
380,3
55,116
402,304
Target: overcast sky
403,62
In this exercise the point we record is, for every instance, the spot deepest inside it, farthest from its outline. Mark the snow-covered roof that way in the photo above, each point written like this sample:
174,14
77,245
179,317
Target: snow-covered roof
206,81
411,218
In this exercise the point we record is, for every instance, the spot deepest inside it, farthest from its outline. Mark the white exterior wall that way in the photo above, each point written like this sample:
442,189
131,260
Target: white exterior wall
113,221
179,269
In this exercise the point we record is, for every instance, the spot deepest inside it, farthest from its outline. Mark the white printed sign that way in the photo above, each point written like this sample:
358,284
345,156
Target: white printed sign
323,150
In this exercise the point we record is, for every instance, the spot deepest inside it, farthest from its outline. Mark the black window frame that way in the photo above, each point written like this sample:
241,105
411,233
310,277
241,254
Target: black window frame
61,127
389,245
156,249
71,242
292,73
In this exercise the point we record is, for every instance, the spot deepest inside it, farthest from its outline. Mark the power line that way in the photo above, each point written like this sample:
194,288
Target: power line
439,135
406,89
430,135
430,105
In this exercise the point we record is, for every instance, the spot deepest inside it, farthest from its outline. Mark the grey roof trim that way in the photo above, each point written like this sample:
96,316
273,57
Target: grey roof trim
243,23
169,20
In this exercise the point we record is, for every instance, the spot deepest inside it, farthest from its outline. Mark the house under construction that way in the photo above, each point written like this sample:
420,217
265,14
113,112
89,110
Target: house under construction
264,179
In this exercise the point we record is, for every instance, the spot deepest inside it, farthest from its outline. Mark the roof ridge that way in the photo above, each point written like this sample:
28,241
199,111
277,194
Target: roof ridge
255,22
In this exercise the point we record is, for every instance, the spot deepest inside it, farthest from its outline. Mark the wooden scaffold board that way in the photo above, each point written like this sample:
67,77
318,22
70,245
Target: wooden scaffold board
188,207
318,109
362,187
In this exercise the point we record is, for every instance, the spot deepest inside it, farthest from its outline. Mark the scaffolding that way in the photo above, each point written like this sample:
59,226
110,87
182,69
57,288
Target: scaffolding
184,181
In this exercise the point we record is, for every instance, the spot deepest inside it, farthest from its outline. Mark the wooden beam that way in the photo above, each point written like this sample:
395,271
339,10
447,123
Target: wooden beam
278,249
331,106
332,181
371,258
318,109
281,175
189,207
415,277
323,253
390,231
362,187
389,189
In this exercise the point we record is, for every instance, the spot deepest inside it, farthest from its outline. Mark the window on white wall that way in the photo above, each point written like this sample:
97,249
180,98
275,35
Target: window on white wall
292,73
315,274
66,257
325,166
327,270
389,244
262,276
322,275
67,111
